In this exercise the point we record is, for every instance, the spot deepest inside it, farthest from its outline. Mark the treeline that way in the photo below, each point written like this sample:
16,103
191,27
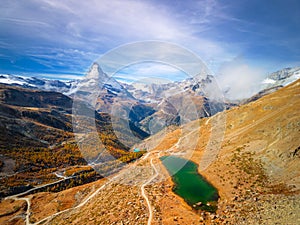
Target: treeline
36,166
81,178
131,156
33,159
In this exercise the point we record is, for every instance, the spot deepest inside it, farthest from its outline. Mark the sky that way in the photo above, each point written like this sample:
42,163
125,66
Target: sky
61,39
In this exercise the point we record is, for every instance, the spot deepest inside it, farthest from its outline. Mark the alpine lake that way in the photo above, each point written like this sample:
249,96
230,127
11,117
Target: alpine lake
189,184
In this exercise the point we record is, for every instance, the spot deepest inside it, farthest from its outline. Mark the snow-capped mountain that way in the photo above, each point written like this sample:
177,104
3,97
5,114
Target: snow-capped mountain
149,105
275,81
155,92
144,92
36,83
97,80
178,102
281,78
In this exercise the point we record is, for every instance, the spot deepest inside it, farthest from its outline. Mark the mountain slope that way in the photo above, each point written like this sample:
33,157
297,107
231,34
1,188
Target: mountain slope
35,117
256,170
36,133
250,153
255,165
259,162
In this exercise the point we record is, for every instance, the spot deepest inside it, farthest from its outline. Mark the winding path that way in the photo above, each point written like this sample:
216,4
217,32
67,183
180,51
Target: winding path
82,203
47,219
69,209
145,196
28,209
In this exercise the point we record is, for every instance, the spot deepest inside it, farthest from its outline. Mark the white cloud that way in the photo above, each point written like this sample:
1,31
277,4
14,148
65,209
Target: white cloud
98,21
100,25
82,29
239,80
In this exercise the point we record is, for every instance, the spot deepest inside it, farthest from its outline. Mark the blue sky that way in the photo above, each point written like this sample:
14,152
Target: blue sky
61,39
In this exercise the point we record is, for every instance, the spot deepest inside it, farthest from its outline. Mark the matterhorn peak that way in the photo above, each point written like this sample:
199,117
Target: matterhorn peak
95,71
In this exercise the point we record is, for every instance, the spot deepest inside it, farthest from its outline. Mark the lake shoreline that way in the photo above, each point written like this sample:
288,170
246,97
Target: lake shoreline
189,191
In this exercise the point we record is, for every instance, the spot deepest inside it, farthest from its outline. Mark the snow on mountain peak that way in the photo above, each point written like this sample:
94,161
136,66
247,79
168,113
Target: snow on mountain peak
36,83
281,77
96,79
95,72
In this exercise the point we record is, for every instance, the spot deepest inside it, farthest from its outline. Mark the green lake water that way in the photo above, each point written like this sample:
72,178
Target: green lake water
189,184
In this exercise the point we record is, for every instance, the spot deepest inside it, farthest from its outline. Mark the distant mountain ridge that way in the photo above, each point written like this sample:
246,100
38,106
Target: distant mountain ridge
36,83
281,77
140,91
259,147
150,106
40,118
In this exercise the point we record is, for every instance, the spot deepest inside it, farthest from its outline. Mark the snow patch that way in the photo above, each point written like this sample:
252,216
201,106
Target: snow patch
268,81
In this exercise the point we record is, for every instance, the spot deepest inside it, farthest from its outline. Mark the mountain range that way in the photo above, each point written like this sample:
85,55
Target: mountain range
150,106
252,159
48,156
145,92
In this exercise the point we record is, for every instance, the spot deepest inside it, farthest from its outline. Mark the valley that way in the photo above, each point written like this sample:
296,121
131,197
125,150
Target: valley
147,112
37,142
256,173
